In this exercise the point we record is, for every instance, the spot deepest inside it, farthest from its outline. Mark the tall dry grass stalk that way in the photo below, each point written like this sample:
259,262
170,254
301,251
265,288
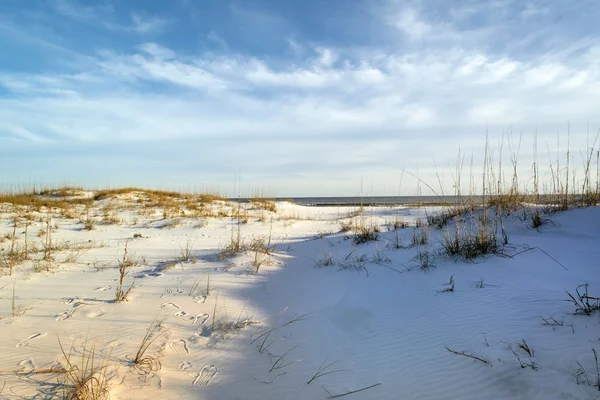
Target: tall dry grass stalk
124,265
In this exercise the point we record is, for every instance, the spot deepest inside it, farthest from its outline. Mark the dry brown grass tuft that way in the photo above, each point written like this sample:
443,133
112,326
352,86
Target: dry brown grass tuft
124,264
86,380
143,362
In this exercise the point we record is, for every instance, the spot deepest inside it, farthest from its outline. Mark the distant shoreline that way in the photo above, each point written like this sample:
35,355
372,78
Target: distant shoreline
368,201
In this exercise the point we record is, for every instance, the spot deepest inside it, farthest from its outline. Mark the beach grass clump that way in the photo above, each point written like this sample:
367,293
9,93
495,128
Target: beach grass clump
471,241
87,379
395,224
583,302
363,233
536,219
186,253
441,218
420,236
143,362
326,260
424,260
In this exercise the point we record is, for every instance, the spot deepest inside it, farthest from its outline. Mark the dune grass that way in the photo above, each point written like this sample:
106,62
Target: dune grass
86,379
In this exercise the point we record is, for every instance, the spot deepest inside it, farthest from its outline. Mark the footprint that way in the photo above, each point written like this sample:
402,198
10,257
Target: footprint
180,314
80,303
184,366
62,316
25,342
103,288
194,339
179,346
27,365
205,375
94,313
165,305
200,318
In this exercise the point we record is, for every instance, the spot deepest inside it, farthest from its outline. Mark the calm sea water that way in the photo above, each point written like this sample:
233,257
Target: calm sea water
371,200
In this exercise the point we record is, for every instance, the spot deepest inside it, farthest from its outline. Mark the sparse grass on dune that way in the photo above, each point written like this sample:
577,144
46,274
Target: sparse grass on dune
86,379
39,203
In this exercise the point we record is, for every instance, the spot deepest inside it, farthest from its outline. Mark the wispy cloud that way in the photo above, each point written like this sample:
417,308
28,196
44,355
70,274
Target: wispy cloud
105,16
432,84
73,9
148,24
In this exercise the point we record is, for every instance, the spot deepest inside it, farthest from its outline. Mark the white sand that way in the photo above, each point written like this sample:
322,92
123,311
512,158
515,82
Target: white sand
390,326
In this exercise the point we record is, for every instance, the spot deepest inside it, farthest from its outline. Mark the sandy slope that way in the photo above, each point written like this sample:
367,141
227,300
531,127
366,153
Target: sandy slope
385,323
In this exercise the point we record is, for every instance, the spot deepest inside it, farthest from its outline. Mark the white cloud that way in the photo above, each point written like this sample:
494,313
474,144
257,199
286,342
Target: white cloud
148,24
73,9
409,22
326,56
157,51
105,16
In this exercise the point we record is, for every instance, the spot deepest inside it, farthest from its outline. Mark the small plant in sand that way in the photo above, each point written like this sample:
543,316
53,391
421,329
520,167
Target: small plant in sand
143,362
449,286
582,376
199,290
325,369
536,219
551,321
221,328
468,355
262,245
364,233
263,333
380,257
235,245
584,303
124,264
346,226
186,253
258,261
47,245
420,236
424,260
281,362
397,242
440,219
353,262
528,350
15,254
395,224
88,225
471,243
74,255
11,255
17,310
87,379
325,261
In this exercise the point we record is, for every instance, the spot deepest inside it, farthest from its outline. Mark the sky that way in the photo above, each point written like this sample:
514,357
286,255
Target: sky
291,98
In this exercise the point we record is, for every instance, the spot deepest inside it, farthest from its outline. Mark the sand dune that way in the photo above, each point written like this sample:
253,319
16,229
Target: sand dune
306,300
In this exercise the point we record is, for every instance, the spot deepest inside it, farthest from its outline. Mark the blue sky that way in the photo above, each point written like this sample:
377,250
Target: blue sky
308,97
